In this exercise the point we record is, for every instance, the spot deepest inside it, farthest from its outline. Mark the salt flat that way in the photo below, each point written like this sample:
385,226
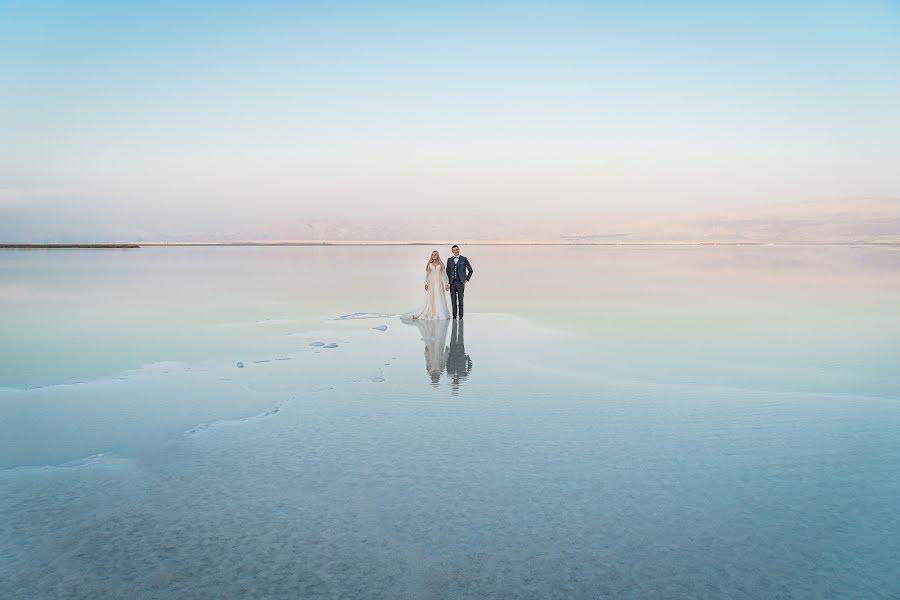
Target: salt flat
662,422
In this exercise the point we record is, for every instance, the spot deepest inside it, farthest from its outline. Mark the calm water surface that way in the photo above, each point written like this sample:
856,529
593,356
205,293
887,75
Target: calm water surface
647,422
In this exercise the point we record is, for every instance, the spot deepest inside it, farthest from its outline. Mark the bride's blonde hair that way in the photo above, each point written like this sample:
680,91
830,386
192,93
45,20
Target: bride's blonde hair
439,261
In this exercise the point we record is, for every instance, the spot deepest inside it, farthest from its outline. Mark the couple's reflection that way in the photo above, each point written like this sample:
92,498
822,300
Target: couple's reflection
457,362
440,357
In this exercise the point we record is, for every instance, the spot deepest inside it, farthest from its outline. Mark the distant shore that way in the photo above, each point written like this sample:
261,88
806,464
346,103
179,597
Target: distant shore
429,243
510,243
65,246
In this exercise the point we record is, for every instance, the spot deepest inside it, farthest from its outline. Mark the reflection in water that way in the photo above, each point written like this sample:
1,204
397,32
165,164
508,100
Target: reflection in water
458,363
434,334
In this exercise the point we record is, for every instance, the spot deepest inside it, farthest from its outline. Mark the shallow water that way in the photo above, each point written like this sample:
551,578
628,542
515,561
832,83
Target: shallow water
607,422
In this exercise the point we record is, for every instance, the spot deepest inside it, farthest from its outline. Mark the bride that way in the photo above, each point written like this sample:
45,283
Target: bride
436,284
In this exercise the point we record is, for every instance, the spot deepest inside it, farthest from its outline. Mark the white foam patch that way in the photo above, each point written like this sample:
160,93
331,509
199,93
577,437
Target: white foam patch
365,315
101,460
233,422
269,360
149,370
270,412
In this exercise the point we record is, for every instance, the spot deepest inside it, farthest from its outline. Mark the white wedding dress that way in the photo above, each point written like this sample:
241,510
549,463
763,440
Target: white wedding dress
435,305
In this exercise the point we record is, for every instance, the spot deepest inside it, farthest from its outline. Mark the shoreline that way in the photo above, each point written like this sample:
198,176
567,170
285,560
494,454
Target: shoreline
333,243
64,246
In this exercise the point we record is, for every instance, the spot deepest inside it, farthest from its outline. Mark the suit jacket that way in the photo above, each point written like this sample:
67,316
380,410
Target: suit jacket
463,269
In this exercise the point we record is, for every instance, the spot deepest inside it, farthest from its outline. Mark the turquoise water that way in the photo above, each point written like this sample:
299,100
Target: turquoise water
659,422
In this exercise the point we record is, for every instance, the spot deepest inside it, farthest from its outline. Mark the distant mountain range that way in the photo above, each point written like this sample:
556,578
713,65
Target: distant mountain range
839,222
858,221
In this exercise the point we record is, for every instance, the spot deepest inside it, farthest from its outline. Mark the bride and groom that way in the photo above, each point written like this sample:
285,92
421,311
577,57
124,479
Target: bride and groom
440,279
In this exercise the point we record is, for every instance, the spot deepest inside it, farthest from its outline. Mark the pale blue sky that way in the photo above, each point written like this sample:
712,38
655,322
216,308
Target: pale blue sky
209,113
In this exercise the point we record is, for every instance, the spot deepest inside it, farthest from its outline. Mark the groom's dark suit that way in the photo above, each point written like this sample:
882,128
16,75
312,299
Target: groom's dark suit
459,271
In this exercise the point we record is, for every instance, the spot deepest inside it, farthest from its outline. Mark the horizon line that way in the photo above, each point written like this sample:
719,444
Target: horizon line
325,243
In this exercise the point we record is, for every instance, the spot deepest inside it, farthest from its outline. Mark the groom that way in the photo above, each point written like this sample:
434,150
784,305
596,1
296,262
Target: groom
459,271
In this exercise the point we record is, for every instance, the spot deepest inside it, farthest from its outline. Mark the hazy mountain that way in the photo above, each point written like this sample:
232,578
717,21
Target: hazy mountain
823,222
849,221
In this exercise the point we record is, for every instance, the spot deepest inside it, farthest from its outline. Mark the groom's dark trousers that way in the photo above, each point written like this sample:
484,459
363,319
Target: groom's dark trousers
457,291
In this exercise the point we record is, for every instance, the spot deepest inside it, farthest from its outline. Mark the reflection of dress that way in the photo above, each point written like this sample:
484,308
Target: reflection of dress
435,304
434,334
